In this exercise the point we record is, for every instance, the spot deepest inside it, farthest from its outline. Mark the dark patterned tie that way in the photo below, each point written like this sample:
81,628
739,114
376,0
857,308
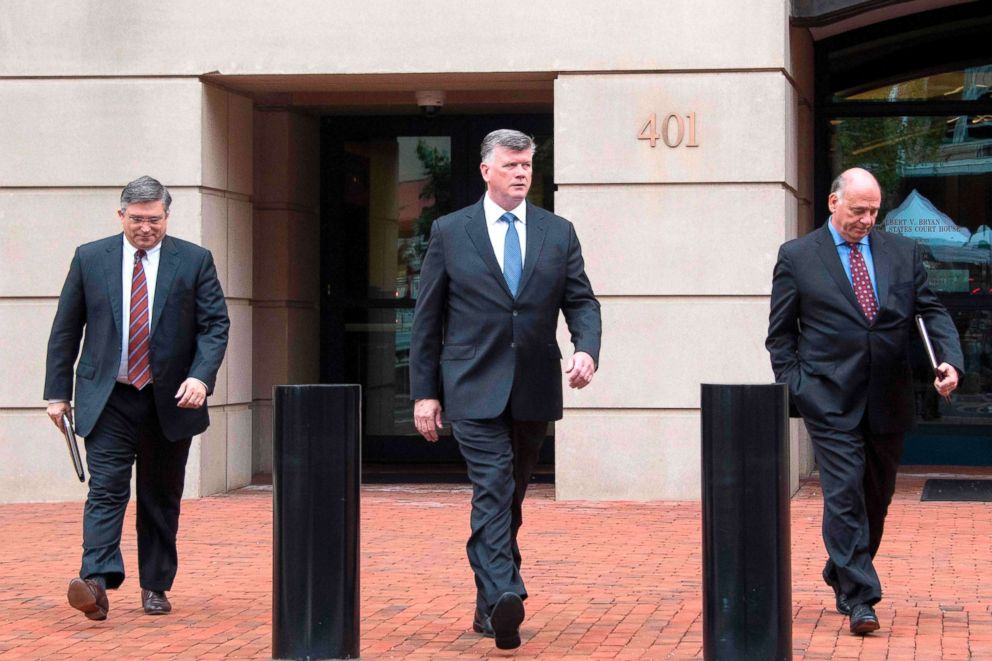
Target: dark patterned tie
138,347
862,283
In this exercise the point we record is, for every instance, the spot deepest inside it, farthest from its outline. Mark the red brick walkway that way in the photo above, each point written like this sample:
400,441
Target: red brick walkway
608,580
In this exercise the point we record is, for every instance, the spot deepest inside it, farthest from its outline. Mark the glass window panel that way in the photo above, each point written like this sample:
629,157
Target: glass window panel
405,186
936,178
971,84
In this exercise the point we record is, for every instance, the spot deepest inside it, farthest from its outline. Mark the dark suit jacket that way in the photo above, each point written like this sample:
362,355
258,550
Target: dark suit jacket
188,333
838,367
477,348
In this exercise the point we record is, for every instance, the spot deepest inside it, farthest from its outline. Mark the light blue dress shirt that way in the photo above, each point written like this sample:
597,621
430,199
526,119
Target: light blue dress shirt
844,252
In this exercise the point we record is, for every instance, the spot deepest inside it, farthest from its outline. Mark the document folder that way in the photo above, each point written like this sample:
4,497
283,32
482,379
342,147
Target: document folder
70,441
928,345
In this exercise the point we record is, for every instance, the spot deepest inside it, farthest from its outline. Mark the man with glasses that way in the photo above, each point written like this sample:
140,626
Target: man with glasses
843,307
156,329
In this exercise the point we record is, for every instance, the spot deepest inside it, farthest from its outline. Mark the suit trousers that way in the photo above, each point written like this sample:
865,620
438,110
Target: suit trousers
500,454
127,432
858,478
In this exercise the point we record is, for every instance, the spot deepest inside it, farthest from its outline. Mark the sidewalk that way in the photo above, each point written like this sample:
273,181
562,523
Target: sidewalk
608,580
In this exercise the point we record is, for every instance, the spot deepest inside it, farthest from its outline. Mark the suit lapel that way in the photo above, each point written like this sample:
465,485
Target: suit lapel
168,264
827,252
536,231
113,266
479,234
883,263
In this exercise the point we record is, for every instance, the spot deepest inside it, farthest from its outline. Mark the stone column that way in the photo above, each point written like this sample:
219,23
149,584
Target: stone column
286,246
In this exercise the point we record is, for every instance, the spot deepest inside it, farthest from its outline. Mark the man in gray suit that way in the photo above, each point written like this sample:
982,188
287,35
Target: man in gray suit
843,305
156,329
494,279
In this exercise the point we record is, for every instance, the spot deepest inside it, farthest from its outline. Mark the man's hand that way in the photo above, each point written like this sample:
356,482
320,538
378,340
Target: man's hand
580,370
947,382
192,394
427,418
56,410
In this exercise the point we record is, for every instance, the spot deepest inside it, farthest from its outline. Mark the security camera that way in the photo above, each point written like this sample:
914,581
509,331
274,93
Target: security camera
430,102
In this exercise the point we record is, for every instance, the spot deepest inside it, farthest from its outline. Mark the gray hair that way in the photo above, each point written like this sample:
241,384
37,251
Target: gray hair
145,189
512,140
837,186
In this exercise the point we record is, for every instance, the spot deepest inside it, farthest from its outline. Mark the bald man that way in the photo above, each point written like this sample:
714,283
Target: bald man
843,307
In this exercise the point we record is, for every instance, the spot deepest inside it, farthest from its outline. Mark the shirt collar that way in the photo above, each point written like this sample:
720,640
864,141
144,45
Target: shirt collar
494,211
841,241
129,250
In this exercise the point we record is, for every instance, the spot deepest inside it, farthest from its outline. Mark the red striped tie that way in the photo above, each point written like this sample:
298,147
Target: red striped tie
138,347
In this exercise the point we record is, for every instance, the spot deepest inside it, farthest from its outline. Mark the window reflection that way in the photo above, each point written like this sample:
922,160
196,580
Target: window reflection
936,178
971,84
408,181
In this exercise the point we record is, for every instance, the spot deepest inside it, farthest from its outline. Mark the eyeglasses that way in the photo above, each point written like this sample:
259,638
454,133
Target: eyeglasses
140,220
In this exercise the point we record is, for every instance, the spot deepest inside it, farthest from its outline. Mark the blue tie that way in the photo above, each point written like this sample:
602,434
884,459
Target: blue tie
513,264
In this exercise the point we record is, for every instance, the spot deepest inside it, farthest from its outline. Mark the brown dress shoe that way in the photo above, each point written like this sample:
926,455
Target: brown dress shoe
155,603
89,597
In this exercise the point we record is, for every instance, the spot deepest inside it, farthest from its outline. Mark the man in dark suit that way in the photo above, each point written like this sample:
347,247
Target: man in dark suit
843,308
156,330
494,278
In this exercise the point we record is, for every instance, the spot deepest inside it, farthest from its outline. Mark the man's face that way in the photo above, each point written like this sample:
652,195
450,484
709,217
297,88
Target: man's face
854,215
507,175
144,223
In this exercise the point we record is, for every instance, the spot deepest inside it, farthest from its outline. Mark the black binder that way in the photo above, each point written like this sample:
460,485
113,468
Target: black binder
70,441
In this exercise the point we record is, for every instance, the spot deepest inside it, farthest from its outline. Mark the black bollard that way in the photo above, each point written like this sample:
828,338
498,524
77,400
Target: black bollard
747,592
316,475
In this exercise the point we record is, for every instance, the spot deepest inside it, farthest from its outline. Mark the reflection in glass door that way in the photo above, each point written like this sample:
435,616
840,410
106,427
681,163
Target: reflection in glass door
408,185
384,182
935,169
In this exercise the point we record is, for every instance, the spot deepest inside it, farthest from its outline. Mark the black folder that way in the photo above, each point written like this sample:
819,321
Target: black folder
70,441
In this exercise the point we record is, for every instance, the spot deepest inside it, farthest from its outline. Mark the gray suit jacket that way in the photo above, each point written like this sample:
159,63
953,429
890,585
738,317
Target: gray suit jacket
837,366
477,348
188,334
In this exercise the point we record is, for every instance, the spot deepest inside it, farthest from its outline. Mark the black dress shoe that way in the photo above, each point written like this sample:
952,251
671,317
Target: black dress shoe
481,624
88,596
505,620
843,607
155,603
863,619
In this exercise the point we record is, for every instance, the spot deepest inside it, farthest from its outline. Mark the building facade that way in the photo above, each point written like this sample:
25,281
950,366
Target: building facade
309,145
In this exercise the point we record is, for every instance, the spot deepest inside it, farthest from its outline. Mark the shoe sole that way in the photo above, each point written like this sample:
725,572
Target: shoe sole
507,615
82,599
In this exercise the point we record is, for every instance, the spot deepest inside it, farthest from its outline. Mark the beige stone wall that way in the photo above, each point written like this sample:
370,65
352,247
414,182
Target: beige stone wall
388,36
70,145
679,241
287,255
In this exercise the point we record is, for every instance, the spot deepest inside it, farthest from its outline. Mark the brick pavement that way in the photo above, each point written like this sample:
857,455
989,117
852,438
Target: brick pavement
608,580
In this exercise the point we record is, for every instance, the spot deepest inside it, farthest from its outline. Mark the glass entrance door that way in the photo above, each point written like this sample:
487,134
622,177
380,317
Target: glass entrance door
927,136
384,182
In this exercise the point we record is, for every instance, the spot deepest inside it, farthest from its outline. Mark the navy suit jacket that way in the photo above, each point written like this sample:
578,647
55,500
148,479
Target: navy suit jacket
188,333
476,347
837,366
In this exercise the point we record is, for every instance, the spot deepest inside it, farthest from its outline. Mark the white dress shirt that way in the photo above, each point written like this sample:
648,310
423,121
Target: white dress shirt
150,264
497,228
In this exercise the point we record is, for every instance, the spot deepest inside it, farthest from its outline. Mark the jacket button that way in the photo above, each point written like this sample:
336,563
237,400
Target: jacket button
513,345
514,313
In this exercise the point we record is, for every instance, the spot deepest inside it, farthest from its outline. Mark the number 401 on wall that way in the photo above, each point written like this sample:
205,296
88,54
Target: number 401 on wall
673,130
